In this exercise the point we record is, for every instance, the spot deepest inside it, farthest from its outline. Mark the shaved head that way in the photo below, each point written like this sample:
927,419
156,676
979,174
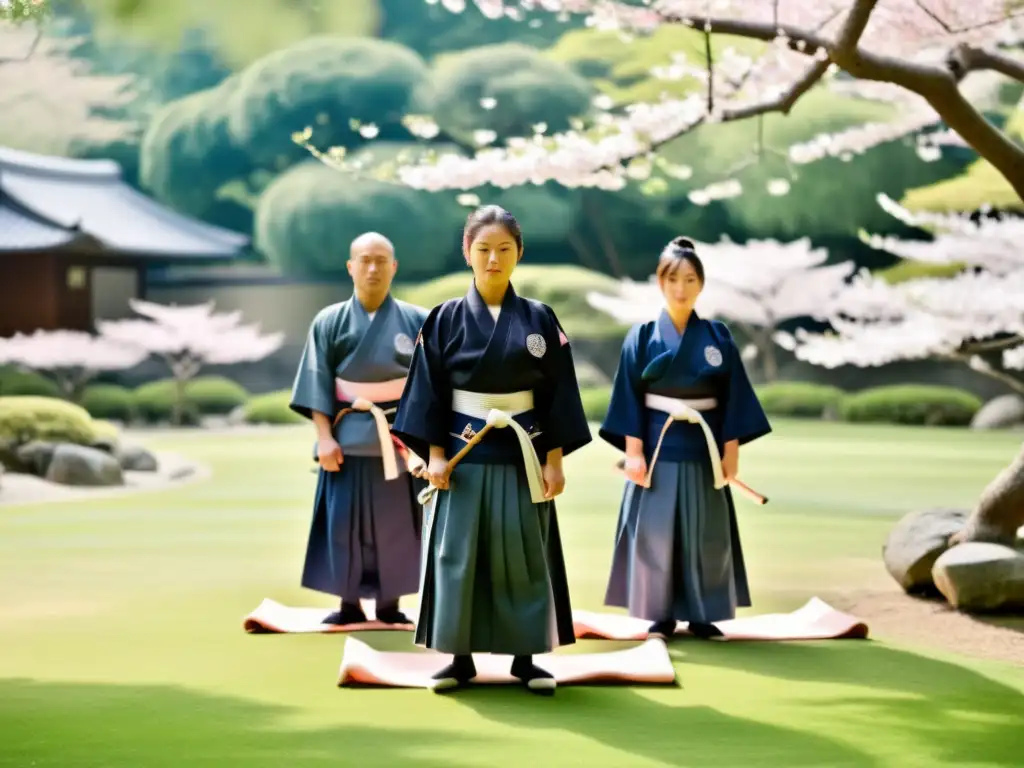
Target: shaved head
370,242
372,265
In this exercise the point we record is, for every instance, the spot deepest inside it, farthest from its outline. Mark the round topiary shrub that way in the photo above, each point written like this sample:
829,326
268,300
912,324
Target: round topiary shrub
24,418
271,408
17,382
916,404
800,399
215,395
595,402
108,401
154,403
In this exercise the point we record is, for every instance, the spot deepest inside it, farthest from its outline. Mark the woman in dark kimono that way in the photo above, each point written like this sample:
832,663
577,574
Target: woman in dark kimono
677,550
492,575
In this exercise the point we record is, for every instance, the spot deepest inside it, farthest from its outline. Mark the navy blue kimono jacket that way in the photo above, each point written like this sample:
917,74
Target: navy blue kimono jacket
462,347
702,362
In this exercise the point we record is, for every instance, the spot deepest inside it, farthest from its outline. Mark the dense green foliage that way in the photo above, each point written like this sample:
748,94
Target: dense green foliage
219,93
918,404
24,418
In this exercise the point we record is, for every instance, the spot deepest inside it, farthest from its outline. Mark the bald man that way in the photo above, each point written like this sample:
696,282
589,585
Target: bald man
364,542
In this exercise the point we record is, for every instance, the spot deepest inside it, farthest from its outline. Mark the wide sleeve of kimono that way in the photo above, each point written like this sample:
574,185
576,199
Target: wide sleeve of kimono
560,409
625,416
424,411
743,419
313,388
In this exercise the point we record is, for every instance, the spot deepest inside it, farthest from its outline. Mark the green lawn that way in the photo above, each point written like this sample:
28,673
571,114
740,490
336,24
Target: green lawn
122,642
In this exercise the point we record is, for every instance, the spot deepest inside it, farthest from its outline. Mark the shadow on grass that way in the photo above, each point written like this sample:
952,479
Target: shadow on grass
92,724
962,716
624,720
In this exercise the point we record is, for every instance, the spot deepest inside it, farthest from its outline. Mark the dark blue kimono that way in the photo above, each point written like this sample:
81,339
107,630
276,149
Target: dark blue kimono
677,548
364,541
493,575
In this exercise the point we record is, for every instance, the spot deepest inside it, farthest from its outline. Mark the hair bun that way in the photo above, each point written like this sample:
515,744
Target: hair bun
684,242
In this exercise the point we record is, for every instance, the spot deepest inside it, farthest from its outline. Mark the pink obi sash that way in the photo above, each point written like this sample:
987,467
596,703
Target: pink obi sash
375,391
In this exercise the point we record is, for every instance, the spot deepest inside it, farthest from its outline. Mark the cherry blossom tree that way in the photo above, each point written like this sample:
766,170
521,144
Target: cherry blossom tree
918,53
757,285
190,337
975,316
71,358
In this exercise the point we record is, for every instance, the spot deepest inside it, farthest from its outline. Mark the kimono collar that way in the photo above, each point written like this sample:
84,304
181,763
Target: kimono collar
667,328
363,316
479,308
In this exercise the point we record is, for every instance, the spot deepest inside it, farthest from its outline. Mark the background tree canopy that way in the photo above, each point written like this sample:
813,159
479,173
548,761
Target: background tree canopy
219,89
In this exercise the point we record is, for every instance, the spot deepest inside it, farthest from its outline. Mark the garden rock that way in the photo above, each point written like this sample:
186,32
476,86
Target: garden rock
981,577
916,542
107,445
237,417
9,456
80,465
1000,413
35,456
135,458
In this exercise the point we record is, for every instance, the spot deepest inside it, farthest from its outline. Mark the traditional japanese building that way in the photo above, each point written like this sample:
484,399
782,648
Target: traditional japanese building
76,242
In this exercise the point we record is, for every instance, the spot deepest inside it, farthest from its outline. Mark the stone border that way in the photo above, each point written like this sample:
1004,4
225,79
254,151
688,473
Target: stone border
174,471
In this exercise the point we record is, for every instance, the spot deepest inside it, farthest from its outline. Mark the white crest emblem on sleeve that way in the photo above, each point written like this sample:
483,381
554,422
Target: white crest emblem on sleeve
713,355
536,345
403,344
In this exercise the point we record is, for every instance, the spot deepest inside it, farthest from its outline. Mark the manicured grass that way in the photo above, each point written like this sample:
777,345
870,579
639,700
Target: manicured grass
122,642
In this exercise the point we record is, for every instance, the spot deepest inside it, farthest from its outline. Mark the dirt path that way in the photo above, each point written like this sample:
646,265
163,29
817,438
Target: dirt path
933,623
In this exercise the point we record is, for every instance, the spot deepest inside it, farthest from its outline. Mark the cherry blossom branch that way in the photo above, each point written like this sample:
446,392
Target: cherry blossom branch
965,59
968,357
875,43
785,101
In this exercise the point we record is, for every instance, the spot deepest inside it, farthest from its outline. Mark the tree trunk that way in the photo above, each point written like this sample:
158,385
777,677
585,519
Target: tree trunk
178,411
769,363
999,512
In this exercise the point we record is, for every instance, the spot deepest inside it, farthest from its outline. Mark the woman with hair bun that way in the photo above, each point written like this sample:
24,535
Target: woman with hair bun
681,406
498,365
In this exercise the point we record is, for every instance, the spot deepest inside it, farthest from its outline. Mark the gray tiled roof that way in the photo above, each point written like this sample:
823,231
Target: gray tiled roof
20,231
91,196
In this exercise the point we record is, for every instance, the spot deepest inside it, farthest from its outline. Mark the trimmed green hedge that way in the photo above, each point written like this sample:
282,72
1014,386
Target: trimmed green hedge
28,417
16,382
595,402
271,408
918,404
204,396
800,399
109,401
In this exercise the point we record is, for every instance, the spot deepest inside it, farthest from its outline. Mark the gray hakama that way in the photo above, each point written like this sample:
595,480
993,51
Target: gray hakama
677,551
365,536
493,577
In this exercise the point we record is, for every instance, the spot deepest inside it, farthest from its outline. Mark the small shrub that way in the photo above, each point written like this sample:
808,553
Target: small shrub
17,382
203,396
108,436
108,401
215,395
800,399
27,417
595,402
917,404
271,408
